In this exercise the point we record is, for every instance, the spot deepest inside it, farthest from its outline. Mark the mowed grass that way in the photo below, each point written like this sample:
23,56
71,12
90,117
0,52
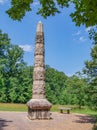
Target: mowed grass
55,108
75,109
13,107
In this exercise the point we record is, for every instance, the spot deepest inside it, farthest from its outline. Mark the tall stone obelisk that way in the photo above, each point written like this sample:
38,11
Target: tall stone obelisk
39,106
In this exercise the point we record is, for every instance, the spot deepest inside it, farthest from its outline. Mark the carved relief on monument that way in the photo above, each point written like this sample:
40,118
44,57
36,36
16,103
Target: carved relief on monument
38,75
39,61
39,91
39,50
39,45
39,39
39,88
38,96
39,83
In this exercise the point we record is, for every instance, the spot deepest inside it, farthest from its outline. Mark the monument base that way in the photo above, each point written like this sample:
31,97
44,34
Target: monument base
39,109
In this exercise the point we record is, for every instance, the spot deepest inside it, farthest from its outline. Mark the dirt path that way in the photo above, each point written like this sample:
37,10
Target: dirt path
19,121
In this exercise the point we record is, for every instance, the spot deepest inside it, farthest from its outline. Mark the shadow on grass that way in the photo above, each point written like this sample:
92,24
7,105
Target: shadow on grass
4,123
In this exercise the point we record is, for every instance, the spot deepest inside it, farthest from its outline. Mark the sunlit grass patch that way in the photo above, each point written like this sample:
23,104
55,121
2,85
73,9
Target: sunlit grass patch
12,107
55,108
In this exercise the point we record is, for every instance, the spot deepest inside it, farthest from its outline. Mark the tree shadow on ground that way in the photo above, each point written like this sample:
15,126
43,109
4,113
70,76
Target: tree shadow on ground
95,123
88,119
3,123
94,127
85,119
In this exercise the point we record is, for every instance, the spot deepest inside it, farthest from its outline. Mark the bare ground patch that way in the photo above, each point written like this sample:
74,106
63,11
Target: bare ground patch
19,121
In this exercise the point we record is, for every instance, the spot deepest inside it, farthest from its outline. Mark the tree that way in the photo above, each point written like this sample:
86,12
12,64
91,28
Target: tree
55,83
2,89
15,63
93,35
47,8
75,91
21,87
91,72
15,75
4,42
84,13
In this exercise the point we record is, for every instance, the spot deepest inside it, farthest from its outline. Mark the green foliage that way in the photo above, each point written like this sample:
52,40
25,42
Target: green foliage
4,41
61,89
93,34
55,83
47,8
91,71
84,13
19,8
15,76
75,91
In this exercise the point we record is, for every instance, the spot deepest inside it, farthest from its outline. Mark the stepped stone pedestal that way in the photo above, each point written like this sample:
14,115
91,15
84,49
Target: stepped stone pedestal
39,106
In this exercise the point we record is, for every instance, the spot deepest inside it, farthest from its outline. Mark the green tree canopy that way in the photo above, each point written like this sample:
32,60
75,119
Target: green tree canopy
75,90
91,73
55,83
15,76
84,13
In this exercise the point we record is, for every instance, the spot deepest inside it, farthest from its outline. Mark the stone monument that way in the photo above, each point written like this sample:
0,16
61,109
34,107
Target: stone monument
39,106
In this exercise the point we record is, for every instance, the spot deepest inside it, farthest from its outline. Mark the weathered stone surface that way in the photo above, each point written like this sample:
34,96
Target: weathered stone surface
39,75
39,109
38,114
39,50
39,61
40,86
39,27
38,106
39,38
37,95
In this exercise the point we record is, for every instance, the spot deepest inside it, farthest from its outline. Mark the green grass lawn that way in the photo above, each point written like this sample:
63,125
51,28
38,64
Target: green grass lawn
55,108
13,107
